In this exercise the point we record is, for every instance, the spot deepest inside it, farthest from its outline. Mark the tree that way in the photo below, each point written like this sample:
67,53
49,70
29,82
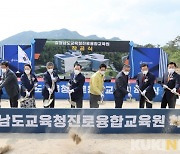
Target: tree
172,48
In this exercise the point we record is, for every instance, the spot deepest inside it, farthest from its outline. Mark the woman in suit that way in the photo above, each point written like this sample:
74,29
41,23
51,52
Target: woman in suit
28,84
50,86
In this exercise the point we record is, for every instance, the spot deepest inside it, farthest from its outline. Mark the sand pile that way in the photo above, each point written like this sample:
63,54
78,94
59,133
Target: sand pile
174,120
5,149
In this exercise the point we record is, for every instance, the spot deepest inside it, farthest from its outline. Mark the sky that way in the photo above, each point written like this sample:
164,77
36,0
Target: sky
140,21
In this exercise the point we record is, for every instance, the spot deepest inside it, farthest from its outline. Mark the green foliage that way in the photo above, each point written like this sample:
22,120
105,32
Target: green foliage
112,73
115,58
172,48
49,51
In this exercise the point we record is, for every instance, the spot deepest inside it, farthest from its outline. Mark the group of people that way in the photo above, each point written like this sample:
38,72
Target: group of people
145,82
26,92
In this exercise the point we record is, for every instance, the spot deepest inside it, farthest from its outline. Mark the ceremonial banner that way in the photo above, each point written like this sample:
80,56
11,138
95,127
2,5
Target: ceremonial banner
89,120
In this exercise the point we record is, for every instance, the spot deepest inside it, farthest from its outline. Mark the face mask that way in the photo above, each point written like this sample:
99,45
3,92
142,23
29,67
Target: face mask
171,70
27,71
126,73
76,72
3,70
50,70
102,72
144,72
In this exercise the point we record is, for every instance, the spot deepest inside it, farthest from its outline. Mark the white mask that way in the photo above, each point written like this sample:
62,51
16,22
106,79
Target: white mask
171,70
102,72
126,73
76,72
50,70
144,72
27,71
3,70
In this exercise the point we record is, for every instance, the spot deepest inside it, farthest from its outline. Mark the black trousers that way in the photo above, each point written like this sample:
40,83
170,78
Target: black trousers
118,101
94,101
167,100
52,103
14,101
142,102
79,103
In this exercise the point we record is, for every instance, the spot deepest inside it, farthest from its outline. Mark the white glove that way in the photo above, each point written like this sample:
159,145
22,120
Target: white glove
50,90
144,93
35,84
71,91
54,79
102,95
137,86
68,84
173,90
129,95
165,86
27,93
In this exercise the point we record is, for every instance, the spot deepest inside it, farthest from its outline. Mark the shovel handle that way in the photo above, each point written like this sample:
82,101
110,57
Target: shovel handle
173,93
147,99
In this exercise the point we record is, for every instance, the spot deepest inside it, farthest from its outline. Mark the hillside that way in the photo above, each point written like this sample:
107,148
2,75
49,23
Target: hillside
26,37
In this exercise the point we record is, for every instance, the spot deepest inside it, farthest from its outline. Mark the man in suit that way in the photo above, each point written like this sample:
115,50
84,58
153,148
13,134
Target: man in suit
50,84
76,83
121,86
145,82
1,92
170,80
10,83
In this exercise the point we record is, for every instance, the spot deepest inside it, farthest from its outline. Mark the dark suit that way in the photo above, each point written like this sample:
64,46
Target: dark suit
1,92
76,83
172,81
48,84
120,89
27,84
146,83
10,83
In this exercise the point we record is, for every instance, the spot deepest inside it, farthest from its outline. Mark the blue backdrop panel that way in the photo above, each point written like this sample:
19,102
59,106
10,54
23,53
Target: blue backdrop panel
90,120
63,91
163,61
11,55
151,56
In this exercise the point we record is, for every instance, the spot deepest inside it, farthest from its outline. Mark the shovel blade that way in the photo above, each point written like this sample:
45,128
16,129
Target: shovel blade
72,103
101,102
47,102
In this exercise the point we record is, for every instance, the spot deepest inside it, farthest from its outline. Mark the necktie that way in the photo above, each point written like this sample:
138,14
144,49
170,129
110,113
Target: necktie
4,75
169,76
143,78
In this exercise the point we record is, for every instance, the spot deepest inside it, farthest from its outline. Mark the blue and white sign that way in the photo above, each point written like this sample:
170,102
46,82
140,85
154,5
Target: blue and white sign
17,56
91,120
63,91
156,59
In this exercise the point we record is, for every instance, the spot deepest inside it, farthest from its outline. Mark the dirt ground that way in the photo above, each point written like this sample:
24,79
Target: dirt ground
108,104
90,144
